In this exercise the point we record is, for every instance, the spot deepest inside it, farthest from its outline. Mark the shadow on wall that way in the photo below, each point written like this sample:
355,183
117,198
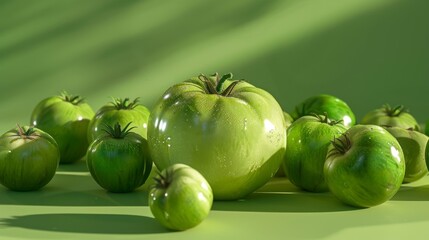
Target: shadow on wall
116,60
378,57
375,57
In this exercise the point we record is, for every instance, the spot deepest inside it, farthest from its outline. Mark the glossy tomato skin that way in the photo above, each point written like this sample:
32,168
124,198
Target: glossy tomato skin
308,139
111,113
387,116
427,154
119,165
371,169
236,142
413,145
27,163
334,107
184,202
67,123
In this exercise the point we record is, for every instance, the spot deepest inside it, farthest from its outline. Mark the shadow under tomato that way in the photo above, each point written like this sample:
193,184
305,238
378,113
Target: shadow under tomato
284,202
280,195
412,193
78,166
73,190
87,223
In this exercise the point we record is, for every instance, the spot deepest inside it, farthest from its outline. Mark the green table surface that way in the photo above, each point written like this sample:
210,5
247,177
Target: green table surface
73,206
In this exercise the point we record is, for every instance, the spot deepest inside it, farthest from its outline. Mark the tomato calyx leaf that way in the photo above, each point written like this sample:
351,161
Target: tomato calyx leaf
22,133
163,179
125,103
216,86
341,145
394,112
117,131
323,118
75,100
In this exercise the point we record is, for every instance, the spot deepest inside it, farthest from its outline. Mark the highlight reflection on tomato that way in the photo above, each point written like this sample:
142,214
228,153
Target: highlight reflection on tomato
65,118
29,158
181,198
230,131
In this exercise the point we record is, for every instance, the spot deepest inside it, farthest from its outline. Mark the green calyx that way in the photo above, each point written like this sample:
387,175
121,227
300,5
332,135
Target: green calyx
324,119
117,132
23,133
216,87
341,145
163,179
125,103
75,100
394,112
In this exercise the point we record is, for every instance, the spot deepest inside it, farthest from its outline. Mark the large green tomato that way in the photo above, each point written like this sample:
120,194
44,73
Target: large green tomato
66,119
413,145
334,107
365,166
122,111
119,161
29,158
230,131
308,139
393,117
181,198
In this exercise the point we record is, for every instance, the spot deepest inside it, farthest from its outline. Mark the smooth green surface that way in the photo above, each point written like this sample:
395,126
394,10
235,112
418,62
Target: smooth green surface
366,52
73,206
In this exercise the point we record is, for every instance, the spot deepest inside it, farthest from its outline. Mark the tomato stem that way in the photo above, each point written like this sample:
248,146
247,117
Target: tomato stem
75,100
217,86
394,112
116,131
341,145
23,133
125,103
325,119
163,179
221,81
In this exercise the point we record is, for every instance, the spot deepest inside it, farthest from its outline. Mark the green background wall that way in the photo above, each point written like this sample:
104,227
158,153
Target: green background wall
367,52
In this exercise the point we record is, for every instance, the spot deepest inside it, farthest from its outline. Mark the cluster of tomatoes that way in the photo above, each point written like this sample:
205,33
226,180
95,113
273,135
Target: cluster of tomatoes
363,165
218,138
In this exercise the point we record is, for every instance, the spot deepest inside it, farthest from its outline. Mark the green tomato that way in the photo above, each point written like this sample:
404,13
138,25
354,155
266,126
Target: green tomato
413,145
122,111
181,198
308,139
66,119
230,131
334,107
29,158
365,166
427,154
120,161
393,117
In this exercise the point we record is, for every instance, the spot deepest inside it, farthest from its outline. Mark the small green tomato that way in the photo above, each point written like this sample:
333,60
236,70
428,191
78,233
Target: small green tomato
181,198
